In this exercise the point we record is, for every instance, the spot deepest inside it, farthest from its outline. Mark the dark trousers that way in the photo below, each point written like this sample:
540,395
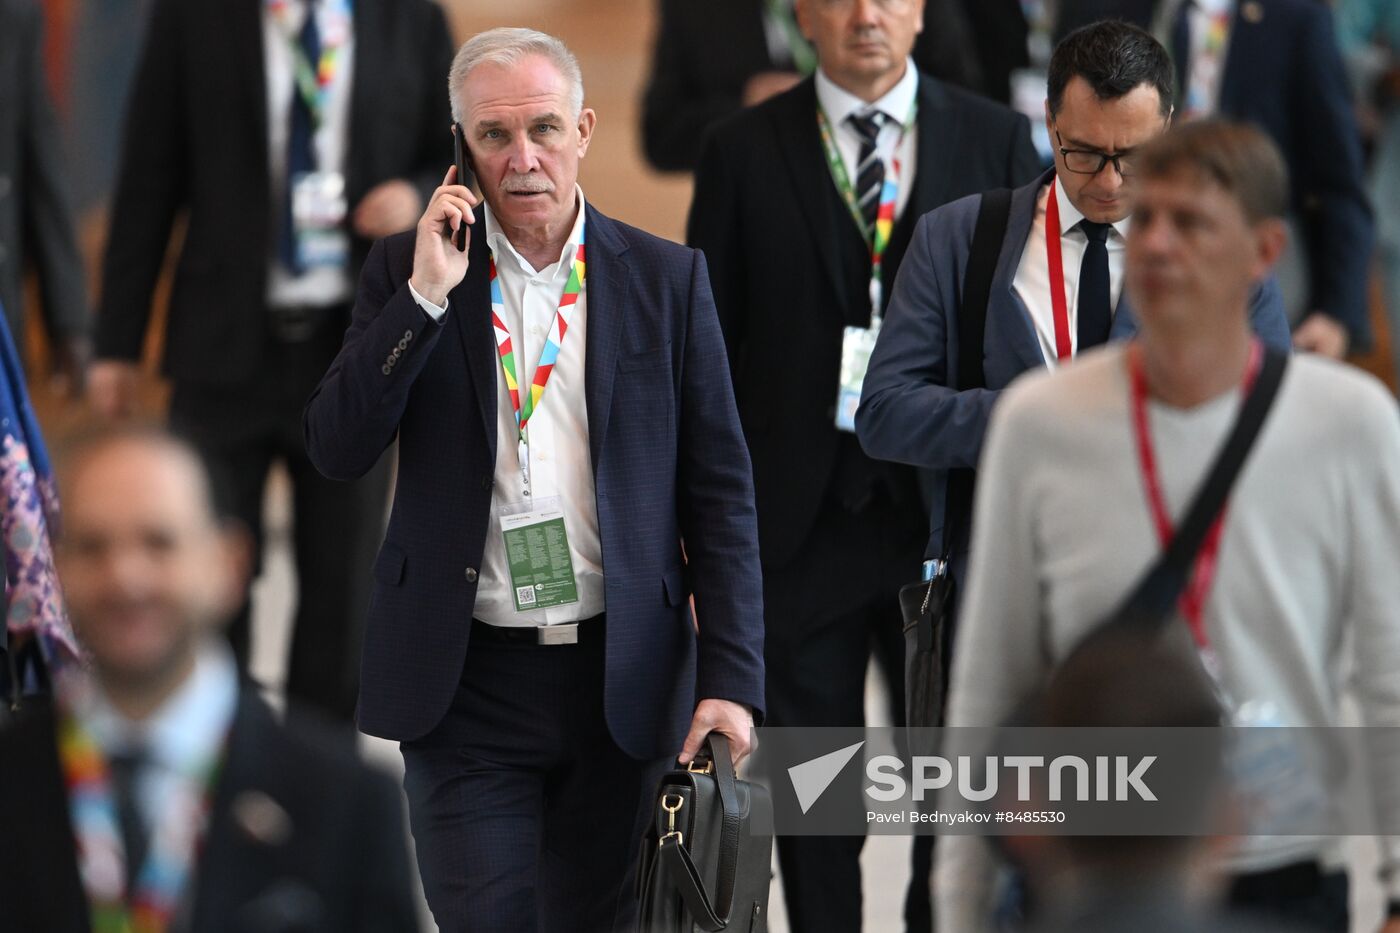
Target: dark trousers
824,615
241,431
1301,896
526,816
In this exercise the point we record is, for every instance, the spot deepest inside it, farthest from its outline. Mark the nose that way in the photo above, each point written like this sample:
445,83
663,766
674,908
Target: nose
522,156
1151,234
864,12
1109,176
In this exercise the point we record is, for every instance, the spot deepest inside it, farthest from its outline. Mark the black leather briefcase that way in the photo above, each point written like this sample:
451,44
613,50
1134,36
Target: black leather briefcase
707,854
925,607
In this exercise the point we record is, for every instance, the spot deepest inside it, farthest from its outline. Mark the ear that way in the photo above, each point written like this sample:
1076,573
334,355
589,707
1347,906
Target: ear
234,567
1270,239
586,121
919,17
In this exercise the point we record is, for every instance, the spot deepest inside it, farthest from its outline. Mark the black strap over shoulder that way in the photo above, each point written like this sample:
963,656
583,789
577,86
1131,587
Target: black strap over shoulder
1152,600
987,236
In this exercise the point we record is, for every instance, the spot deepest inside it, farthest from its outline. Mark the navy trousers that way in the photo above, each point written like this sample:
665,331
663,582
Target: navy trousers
526,816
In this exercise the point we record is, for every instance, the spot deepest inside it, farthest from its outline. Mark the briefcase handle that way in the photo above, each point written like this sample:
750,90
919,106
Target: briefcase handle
710,915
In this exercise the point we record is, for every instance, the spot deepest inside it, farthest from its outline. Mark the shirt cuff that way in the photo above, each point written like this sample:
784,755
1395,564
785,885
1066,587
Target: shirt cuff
430,309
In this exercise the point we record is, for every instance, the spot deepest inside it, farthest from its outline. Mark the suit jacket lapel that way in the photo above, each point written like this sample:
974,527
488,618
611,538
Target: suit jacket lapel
1007,312
247,59
1125,322
1242,47
470,315
367,71
606,288
795,127
938,129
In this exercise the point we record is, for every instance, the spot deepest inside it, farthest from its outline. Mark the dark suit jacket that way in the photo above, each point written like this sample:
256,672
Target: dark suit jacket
999,32
1285,74
790,271
343,865
669,464
704,54
36,220
909,413
196,145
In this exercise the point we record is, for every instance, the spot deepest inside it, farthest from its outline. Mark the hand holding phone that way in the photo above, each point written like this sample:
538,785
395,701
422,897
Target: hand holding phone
438,267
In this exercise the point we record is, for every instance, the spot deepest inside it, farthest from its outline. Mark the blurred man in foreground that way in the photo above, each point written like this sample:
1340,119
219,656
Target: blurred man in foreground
159,793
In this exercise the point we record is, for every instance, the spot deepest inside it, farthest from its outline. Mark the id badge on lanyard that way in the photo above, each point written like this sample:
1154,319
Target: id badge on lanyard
318,215
858,343
537,552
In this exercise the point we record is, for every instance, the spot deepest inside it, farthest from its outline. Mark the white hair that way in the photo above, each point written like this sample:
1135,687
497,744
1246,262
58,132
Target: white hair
506,46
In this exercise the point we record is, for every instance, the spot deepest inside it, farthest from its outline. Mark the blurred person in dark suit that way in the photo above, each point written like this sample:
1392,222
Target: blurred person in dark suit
1000,33
711,60
36,219
287,135
1276,64
158,793
794,201
571,468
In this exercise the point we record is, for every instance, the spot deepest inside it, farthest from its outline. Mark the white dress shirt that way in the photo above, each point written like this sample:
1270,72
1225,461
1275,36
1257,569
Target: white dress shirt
1032,282
319,285
892,143
560,464
1205,67
181,739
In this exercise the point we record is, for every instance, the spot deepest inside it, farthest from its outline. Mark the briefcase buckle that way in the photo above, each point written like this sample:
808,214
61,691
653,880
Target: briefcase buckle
671,810
566,634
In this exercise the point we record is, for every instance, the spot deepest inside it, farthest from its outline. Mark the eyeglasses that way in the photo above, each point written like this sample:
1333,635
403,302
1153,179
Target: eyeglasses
1091,161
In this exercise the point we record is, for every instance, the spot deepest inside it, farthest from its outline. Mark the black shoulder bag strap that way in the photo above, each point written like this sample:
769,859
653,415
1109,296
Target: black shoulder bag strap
987,237
711,915
1152,600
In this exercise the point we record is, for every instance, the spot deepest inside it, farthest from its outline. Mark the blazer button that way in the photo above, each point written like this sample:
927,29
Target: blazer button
386,369
471,574
408,335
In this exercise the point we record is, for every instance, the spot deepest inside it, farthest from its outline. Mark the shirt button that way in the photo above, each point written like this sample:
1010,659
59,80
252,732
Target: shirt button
486,482
471,574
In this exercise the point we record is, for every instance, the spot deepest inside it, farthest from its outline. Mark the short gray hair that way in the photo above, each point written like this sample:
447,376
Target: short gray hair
505,46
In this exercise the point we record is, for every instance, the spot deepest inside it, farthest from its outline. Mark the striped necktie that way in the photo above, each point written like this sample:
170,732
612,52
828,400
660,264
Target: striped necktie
870,168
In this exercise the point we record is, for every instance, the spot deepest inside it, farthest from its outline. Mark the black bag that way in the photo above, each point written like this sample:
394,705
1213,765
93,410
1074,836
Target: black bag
707,854
927,606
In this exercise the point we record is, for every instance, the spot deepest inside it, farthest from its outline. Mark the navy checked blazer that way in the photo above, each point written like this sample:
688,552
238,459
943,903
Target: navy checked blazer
669,462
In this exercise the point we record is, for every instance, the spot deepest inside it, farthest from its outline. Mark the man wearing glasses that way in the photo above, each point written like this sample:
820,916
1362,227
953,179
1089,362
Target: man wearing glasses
1051,297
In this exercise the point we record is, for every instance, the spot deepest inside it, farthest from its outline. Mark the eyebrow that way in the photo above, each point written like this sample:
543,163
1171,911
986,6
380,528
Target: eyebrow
1072,143
550,117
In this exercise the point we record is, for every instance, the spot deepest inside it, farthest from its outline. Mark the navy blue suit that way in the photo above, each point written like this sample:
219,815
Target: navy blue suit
908,412
670,467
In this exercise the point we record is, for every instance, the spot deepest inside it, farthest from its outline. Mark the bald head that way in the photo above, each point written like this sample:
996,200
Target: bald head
146,567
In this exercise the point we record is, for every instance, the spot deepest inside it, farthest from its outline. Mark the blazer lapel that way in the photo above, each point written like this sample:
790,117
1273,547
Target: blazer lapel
606,288
1242,47
471,300
795,127
938,130
1125,324
1006,311
368,70
246,58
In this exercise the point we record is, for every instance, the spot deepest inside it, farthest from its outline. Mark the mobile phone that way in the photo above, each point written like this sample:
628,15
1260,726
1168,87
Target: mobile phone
462,158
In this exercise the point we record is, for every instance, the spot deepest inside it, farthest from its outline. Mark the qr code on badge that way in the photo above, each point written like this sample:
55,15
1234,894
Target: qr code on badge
525,595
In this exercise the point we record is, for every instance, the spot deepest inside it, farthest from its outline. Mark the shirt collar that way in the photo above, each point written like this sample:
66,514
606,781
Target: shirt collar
838,103
1069,215
187,730
500,244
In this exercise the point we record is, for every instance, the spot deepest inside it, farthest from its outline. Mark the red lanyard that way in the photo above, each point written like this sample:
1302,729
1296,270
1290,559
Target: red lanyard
1193,599
1053,258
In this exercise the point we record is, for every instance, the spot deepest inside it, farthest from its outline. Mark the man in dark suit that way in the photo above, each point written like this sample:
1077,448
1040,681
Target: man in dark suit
36,219
712,59
530,640
784,208
1109,92
284,179
1280,68
157,785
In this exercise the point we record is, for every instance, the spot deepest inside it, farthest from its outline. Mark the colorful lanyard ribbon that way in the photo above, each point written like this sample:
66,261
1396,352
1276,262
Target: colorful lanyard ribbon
314,82
1204,73
879,238
1193,599
1064,348
154,898
525,407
